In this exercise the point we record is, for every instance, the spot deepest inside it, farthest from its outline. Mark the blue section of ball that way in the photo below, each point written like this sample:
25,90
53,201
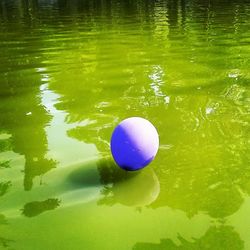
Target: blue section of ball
134,143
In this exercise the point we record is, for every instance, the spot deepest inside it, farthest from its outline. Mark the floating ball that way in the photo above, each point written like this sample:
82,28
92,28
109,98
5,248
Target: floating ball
134,143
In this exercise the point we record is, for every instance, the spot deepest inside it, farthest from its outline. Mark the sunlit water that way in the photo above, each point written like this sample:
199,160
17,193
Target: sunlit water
70,71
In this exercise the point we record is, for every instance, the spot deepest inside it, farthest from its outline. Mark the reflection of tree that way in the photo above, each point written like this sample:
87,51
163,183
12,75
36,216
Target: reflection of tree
207,167
5,145
28,135
4,186
35,208
22,115
216,238
24,118
3,220
204,170
4,164
103,80
4,242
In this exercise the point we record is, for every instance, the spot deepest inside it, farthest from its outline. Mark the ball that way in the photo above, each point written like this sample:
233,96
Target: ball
134,143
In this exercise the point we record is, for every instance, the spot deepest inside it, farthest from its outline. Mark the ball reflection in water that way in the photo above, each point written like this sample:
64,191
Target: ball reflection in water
136,189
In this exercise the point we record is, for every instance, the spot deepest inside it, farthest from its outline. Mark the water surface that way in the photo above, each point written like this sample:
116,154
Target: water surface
70,71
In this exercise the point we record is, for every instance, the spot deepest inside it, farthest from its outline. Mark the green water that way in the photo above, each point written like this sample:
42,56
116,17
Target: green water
70,71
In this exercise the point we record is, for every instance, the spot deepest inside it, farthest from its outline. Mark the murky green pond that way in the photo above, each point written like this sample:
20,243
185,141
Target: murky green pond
70,71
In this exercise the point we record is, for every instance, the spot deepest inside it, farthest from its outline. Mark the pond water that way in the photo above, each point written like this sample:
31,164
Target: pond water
70,71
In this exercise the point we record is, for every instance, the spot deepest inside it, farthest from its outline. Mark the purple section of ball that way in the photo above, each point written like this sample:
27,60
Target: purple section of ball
134,143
